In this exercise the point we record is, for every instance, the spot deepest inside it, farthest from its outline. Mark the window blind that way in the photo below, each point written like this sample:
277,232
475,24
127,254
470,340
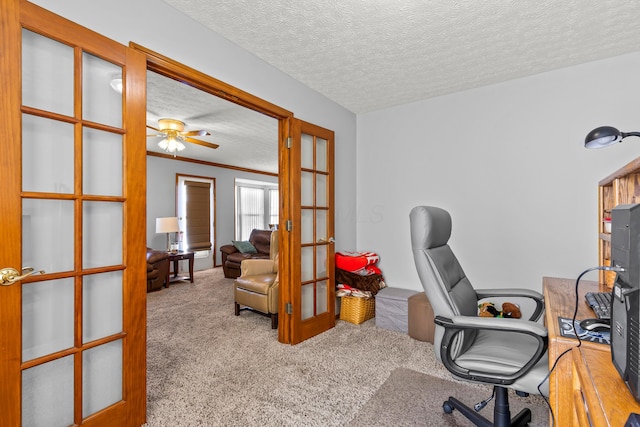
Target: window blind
198,207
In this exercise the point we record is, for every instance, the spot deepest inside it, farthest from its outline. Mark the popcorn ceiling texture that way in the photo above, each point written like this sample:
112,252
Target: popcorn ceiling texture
372,54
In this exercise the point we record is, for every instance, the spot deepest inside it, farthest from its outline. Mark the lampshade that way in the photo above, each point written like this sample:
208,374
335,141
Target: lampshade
605,136
167,225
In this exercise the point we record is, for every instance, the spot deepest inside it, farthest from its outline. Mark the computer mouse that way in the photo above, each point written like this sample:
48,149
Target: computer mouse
595,325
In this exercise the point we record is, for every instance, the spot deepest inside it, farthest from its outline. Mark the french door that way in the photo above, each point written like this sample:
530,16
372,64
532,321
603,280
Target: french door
72,203
311,267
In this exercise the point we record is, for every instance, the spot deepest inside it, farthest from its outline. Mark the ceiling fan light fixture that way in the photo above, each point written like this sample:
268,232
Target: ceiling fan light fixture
171,145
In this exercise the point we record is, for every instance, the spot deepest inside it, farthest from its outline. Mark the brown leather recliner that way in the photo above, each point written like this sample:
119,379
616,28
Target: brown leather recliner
157,269
232,257
257,287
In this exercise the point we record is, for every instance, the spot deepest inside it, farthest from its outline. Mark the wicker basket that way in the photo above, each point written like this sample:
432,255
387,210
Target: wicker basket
357,310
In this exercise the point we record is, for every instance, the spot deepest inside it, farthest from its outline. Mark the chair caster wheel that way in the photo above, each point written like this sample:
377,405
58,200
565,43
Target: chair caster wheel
446,406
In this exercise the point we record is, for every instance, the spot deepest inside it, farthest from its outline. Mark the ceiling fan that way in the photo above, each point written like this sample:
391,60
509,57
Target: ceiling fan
173,134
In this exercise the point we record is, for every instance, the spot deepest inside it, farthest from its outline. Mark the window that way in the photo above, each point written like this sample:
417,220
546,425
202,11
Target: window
196,198
256,206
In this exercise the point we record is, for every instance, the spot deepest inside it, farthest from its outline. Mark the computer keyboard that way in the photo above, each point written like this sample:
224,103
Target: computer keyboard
600,302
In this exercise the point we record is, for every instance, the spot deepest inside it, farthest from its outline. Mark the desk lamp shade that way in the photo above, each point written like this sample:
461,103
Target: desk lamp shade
167,225
605,136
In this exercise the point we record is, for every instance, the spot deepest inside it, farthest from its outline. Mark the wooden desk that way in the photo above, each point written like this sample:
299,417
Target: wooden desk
584,380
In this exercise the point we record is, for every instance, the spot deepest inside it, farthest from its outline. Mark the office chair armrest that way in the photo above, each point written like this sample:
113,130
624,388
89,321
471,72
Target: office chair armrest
493,323
453,326
537,297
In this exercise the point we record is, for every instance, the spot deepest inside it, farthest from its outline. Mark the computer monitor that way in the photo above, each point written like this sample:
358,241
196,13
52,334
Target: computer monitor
625,301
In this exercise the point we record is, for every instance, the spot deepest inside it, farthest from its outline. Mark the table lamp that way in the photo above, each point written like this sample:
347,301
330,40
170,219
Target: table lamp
167,225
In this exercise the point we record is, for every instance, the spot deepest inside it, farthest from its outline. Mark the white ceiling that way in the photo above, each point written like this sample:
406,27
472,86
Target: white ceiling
372,54
246,138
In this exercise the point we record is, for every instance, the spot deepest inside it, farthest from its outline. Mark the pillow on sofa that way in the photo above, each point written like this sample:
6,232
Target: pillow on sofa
244,247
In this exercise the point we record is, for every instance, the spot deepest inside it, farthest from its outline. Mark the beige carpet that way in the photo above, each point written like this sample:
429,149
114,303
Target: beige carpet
207,367
409,398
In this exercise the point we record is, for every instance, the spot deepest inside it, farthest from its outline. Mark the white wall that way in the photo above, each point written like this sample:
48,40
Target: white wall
508,163
161,199
145,22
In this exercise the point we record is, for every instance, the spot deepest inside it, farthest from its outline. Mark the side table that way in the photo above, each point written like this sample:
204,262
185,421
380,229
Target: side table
174,257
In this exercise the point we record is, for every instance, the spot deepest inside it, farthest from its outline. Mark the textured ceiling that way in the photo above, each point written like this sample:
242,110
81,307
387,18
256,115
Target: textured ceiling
372,54
246,138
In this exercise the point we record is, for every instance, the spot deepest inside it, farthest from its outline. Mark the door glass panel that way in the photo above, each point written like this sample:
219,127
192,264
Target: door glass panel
307,263
307,226
47,234
102,234
101,377
47,317
101,305
307,301
306,187
47,155
321,226
321,190
47,394
102,163
47,74
100,103
321,155
307,151
321,261
321,297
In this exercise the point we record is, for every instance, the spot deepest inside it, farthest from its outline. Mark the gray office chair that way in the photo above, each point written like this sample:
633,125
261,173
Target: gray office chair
507,353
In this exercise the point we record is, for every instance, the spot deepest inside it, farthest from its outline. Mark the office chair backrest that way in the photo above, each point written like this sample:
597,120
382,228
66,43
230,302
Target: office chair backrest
447,287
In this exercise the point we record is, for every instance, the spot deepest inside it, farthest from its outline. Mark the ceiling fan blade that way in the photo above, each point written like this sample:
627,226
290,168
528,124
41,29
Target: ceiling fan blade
195,133
156,135
203,143
156,129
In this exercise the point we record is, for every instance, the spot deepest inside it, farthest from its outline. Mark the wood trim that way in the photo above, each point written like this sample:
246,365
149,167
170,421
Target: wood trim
10,206
206,163
168,67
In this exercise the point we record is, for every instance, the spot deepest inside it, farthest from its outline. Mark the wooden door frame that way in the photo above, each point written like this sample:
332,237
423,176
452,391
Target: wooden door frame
167,67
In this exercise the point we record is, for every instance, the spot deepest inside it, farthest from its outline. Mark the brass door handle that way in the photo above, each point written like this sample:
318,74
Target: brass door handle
9,276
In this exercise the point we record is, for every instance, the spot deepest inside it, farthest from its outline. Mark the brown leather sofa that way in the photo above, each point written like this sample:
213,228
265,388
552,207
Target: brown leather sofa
232,257
257,287
157,269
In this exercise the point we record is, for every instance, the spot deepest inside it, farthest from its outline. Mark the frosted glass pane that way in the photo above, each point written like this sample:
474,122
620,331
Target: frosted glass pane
101,305
321,297
47,155
47,317
321,261
307,151
47,394
47,74
100,103
101,377
47,235
306,218
321,226
307,301
102,234
321,190
306,263
102,163
306,189
321,155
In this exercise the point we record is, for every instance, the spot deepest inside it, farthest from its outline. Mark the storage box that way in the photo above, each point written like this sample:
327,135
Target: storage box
392,308
357,310
421,326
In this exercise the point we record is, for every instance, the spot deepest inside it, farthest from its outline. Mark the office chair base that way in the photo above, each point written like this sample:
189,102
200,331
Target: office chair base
501,413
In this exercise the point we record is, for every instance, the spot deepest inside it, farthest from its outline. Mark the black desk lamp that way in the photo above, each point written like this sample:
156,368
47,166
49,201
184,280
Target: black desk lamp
605,136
